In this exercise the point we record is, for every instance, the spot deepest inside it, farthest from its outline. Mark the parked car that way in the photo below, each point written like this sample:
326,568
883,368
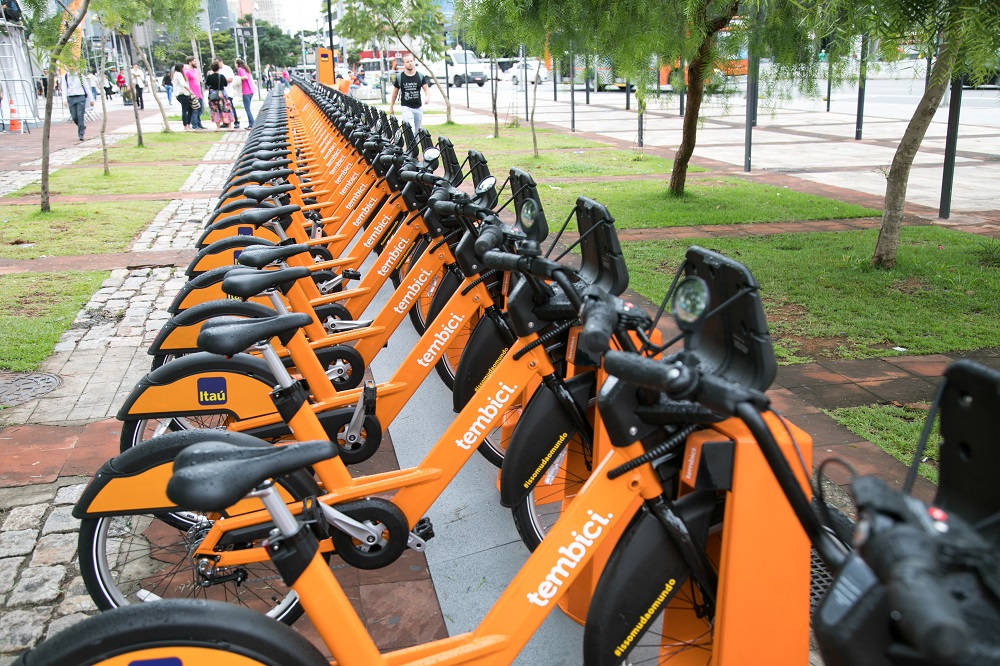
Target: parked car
536,71
462,67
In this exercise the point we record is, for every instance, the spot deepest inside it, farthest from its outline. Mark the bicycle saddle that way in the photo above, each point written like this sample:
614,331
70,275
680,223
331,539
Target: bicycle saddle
261,192
212,476
265,165
271,154
229,336
260,216
259,177
246,285
258,258
229,208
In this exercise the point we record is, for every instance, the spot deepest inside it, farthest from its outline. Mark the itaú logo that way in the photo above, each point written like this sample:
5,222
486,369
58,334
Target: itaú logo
212,391
572,555
486,415
375,233
412,291
392,255
441,340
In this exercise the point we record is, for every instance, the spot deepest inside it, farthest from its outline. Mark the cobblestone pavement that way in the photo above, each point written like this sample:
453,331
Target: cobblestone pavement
98,360
40,581
177,226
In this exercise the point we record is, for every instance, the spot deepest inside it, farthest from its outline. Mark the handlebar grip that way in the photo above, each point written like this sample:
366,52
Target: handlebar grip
503,261
637,369
599,322
902,558
490,238
446,207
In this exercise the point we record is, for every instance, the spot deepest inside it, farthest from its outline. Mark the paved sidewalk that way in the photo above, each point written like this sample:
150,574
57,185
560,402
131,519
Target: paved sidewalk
51,445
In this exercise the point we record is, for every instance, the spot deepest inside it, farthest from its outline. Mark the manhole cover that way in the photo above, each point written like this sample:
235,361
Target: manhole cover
17,388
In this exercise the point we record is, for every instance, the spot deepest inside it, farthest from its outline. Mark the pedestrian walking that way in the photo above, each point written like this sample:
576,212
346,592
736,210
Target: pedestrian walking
227,71
219,107
193,76
168,85
77,94
184,95
410,82
92,82
247,89
138,82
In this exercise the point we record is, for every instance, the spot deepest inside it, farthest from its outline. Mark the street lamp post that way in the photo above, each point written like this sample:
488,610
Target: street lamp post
256,47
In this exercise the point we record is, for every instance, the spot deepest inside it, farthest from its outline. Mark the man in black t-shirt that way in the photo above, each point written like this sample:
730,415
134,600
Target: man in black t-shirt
410,82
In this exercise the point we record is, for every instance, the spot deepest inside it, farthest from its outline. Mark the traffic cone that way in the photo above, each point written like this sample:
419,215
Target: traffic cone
15,124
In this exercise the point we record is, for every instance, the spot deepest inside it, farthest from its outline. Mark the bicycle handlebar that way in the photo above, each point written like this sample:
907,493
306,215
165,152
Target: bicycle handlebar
490,238
410,176
600,319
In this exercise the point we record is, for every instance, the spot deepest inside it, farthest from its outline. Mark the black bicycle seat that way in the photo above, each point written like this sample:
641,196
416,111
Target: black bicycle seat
235,205
213,476
229,336
260,256
247,285
260,192
261,216
271,154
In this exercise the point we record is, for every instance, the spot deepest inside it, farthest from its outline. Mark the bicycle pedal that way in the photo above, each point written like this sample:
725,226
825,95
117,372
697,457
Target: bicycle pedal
350,274
424,529
369,394
312,515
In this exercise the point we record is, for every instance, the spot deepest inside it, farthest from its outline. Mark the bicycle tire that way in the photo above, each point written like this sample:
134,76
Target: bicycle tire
129,559
137,431
211,632
541,507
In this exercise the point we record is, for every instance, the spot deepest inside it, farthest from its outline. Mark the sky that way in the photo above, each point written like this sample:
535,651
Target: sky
299,14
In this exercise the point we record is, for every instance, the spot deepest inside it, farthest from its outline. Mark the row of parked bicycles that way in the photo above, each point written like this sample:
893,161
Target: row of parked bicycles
668,507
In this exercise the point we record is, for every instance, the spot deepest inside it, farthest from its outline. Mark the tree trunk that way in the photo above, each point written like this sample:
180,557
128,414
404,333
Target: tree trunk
695,92
104,107
47,120
902,161
46,132
495,86
152,90
131,85
534,98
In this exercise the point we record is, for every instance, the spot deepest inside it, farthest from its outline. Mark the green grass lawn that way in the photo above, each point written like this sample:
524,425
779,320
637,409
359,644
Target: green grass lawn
480,137
92,181
73,229
896,430
158,147
823,300
579,163
647,204
35,309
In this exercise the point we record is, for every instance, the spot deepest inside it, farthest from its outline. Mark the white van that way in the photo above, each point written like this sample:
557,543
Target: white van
463,67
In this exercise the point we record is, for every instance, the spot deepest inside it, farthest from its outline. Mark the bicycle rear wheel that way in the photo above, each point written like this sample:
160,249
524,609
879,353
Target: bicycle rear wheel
192,632
137,559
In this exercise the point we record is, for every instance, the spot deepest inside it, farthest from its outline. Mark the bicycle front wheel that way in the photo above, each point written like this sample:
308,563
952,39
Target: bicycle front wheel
192,633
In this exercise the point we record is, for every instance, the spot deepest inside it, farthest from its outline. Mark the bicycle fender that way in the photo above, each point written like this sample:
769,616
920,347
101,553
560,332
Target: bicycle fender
180,334
203,383
484,350
206,287
136,480
542,432
223,252
643,574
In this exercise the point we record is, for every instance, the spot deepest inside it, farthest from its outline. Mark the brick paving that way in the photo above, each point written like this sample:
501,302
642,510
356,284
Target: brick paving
52,445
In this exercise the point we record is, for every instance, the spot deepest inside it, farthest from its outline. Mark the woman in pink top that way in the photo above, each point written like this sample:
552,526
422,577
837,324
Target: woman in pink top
244,73
193,77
